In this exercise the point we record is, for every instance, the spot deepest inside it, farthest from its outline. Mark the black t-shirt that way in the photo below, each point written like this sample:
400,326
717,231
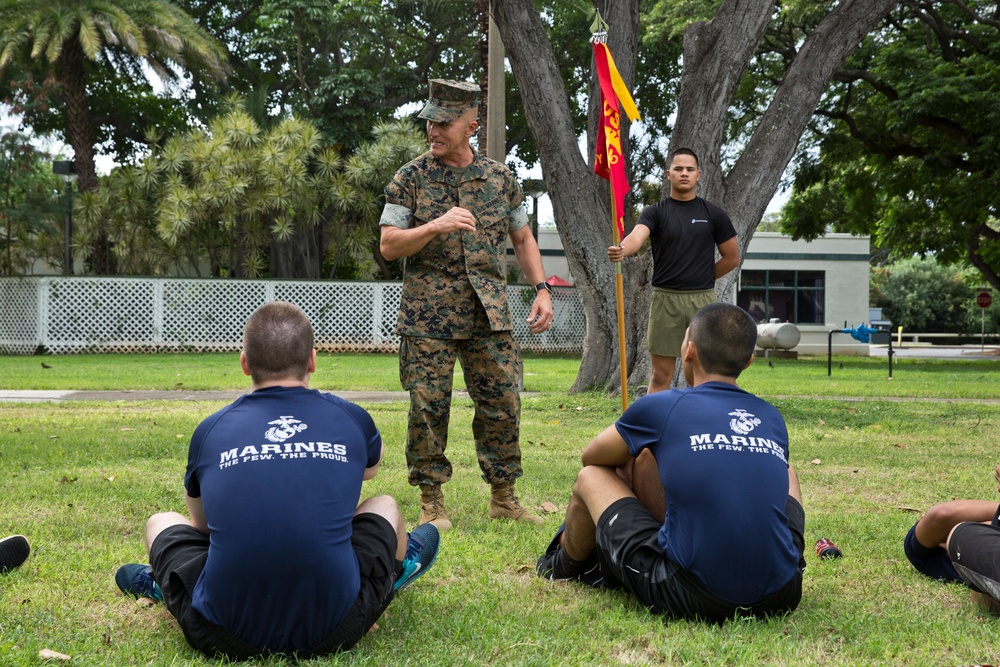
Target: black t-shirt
684,235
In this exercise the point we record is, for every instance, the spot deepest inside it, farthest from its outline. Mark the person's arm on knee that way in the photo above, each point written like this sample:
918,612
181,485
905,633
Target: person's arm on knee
197,513
371,471
794,490
937,523
608,448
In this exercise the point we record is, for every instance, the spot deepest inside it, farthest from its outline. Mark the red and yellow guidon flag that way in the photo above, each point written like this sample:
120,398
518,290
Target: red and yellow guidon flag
609,163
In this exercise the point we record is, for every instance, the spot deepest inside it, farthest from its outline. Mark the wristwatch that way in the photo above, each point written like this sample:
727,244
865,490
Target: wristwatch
544,285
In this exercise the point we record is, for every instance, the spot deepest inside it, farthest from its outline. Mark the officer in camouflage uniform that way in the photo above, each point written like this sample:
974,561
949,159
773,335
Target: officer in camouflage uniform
449,212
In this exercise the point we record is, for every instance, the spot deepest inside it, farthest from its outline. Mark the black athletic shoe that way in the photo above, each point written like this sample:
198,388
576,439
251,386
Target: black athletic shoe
14,550
554,564
550,566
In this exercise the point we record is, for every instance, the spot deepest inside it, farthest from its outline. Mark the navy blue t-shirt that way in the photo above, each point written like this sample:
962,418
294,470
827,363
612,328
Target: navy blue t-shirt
722,454
683,236
279,475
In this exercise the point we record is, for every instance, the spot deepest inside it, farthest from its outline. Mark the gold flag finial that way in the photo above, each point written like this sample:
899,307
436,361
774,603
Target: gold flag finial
599,29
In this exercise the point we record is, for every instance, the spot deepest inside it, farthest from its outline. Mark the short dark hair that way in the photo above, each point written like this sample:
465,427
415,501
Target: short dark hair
724,336
682,151
278,342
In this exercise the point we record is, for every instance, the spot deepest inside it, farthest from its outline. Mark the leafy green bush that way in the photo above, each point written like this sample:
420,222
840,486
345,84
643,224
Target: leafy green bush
920,294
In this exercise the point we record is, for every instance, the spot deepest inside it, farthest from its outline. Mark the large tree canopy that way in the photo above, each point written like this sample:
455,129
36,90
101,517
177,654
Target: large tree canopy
67,37
716,55
346,65
30,217
906,142
237,200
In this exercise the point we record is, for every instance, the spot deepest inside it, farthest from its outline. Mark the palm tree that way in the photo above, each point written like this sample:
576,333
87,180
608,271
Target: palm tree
71,36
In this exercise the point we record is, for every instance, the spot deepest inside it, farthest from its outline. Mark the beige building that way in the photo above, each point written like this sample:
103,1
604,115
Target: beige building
818,286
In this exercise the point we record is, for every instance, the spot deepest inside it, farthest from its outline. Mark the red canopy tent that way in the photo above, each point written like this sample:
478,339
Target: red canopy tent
556,281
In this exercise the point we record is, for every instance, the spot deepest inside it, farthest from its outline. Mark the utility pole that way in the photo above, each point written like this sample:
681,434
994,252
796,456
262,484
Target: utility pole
496,125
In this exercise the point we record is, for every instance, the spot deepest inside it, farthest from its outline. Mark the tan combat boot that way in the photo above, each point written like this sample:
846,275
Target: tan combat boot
432,506
505,505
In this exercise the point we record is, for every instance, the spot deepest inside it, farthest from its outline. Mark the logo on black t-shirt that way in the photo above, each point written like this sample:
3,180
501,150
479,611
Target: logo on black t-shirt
283,428
743,421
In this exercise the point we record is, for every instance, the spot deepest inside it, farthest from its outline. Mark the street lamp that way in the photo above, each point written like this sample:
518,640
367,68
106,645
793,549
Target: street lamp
67,169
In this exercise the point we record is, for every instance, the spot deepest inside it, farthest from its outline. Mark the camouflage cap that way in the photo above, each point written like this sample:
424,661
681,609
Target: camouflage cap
449,99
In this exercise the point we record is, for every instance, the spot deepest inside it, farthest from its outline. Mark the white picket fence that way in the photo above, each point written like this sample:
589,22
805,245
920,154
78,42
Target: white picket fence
70,315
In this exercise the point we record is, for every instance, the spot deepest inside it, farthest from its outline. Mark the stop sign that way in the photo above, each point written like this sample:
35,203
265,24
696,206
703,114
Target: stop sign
984,300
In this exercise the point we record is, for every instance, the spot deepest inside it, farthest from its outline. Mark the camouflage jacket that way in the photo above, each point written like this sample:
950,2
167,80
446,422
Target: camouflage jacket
443,280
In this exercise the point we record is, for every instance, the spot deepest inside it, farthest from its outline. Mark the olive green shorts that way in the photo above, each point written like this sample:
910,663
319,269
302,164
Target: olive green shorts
670,313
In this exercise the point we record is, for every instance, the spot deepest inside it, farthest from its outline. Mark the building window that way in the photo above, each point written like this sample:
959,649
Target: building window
789,296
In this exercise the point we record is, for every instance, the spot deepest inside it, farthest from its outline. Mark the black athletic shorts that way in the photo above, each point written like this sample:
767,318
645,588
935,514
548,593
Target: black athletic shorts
974,549
931,561
178,556
629,550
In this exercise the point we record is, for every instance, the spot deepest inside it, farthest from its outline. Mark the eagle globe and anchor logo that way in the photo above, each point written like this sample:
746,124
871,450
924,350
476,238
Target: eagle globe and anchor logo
283,428
743,422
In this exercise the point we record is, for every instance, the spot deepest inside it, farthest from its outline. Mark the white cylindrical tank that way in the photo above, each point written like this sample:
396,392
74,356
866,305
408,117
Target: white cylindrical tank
777,335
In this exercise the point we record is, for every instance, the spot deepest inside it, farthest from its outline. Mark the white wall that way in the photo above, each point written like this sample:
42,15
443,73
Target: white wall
553,256
844,260
842,257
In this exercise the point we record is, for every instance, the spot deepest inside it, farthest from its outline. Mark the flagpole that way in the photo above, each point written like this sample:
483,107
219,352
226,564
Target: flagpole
620,302
599,33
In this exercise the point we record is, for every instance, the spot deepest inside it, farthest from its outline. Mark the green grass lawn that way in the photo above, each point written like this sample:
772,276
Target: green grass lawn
80,479
860,377
219,371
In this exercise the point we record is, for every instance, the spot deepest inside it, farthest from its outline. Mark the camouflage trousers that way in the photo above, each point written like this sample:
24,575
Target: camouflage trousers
489,363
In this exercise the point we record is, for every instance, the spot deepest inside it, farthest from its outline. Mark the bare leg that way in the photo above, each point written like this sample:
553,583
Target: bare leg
935,526
160,522
662,373
647,485
596,489
986,602
793,484
386,507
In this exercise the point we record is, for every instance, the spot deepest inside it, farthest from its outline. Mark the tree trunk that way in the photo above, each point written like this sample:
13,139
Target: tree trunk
716,55
296,258
581,201
80,132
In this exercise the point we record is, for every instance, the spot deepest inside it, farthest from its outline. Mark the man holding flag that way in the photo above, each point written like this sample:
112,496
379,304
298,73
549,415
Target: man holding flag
609,164
684,232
